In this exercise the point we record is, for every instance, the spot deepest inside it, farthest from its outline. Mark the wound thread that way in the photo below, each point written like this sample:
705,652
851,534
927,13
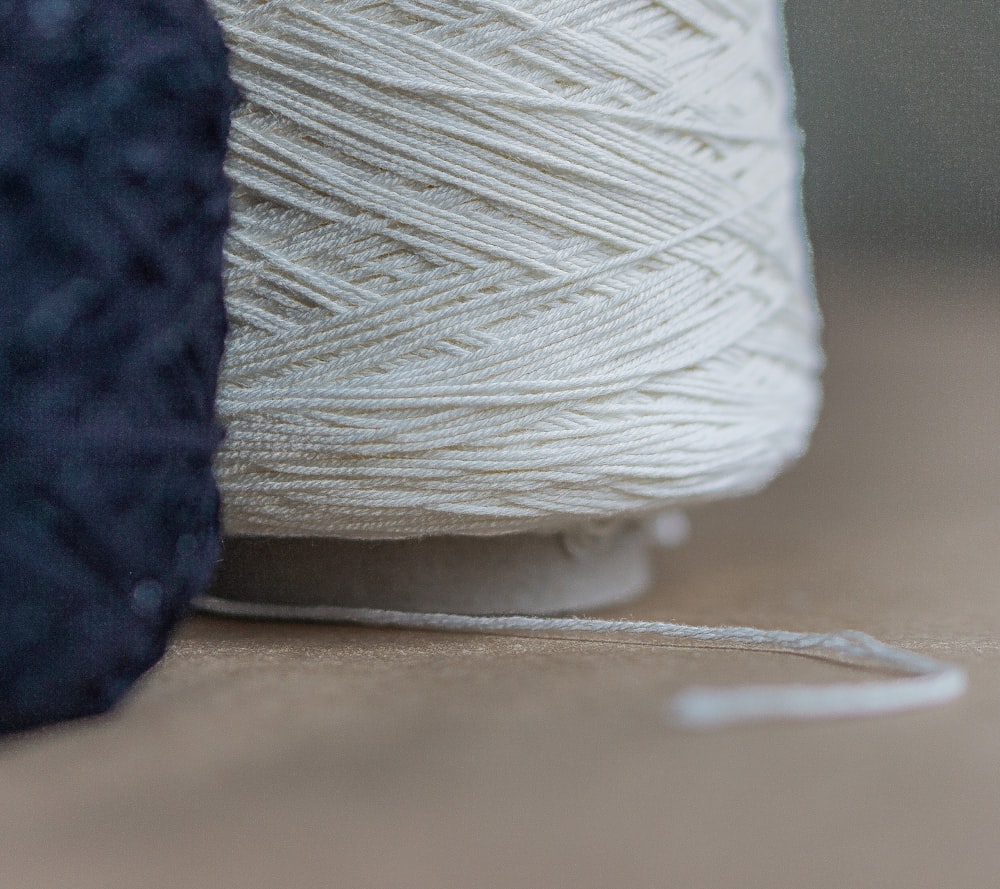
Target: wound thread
506,267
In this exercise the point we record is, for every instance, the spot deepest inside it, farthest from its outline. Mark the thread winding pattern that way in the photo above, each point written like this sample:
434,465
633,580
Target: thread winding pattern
508,266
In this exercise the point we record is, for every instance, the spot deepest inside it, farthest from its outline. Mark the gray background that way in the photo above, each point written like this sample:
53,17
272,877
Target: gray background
900,104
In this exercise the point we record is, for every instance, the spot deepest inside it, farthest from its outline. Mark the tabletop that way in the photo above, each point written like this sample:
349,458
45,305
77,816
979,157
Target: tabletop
288,755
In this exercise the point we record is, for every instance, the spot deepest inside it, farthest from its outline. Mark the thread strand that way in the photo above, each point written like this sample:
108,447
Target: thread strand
925,682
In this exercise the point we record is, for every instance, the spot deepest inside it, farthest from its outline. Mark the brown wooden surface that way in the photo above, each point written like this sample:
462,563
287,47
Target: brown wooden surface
291,756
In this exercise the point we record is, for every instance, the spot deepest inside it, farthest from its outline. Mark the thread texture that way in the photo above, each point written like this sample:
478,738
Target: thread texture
921,681
507,266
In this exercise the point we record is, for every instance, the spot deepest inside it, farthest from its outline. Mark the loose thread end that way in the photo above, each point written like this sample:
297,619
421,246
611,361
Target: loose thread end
927,682
702,709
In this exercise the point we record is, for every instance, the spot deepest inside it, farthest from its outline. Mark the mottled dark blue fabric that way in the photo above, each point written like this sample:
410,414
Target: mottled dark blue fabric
114,116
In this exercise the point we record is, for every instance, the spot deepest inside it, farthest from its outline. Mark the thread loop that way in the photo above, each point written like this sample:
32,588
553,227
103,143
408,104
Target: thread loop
924,681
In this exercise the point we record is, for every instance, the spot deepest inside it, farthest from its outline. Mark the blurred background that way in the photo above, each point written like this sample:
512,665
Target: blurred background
900,104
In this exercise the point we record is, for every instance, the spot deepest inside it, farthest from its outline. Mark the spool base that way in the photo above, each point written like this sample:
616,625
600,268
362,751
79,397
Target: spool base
518,573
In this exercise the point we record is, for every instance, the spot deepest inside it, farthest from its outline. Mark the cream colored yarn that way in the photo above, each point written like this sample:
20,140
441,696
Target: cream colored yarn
509,266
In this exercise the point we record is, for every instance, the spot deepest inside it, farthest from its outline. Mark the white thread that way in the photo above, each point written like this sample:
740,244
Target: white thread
669,528
509,266
927,682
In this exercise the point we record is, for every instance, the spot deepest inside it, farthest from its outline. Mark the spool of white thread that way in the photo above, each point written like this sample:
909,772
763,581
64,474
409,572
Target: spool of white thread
507,278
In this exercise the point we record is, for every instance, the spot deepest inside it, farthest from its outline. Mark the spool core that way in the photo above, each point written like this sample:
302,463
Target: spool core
509,574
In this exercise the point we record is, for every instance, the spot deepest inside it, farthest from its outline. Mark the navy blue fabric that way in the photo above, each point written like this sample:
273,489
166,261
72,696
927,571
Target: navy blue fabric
114,116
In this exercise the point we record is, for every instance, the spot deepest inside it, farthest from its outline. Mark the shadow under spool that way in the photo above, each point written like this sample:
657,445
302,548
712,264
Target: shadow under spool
517,573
